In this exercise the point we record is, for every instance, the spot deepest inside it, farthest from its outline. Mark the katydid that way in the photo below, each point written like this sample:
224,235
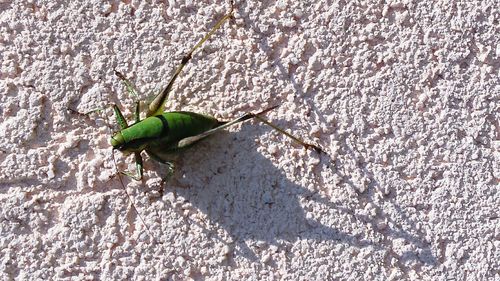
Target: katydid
162,134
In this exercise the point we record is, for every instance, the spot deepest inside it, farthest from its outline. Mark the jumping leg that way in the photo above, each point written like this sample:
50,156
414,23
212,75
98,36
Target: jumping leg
157,106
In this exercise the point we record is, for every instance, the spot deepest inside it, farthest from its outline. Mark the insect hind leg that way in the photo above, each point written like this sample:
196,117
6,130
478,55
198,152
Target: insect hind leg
259,117
223,125
282,131
157,106
170,165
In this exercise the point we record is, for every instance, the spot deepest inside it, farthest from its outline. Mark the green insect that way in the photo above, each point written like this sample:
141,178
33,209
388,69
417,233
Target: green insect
163,134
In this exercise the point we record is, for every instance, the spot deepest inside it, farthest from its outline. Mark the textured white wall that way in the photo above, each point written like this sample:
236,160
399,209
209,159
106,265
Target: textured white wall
404,97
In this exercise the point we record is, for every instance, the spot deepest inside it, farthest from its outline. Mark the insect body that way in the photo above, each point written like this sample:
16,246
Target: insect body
162,134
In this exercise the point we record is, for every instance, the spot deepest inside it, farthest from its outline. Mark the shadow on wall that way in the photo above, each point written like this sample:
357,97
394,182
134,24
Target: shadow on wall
399,224
256,202
252,201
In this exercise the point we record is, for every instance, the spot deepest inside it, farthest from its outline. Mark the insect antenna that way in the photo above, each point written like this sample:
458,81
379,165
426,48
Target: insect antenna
129,197
109,127
132,204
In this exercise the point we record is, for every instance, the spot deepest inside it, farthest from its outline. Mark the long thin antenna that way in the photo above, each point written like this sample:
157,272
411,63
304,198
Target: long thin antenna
130,198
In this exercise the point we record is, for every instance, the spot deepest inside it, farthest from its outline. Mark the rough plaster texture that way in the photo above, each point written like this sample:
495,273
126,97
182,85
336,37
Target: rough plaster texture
403,95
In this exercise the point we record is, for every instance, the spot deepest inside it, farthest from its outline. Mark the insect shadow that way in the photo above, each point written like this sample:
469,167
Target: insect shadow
247,195
410,235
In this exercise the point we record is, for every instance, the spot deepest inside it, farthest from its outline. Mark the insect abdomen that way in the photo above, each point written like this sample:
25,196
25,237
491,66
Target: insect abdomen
182,124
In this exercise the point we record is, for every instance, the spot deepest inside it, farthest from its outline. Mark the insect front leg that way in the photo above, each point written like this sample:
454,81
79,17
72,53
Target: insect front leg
122,122
138,166
132,90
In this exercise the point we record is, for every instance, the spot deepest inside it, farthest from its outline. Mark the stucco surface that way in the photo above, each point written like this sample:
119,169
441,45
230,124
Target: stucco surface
402,95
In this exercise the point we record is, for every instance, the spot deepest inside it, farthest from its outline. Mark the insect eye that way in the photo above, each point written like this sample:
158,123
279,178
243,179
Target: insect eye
117,141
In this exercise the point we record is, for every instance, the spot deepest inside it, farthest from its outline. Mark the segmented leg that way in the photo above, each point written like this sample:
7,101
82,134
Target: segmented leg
190,140
122,122
296,139
138,167
84,114
157,106
133,91
171,166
